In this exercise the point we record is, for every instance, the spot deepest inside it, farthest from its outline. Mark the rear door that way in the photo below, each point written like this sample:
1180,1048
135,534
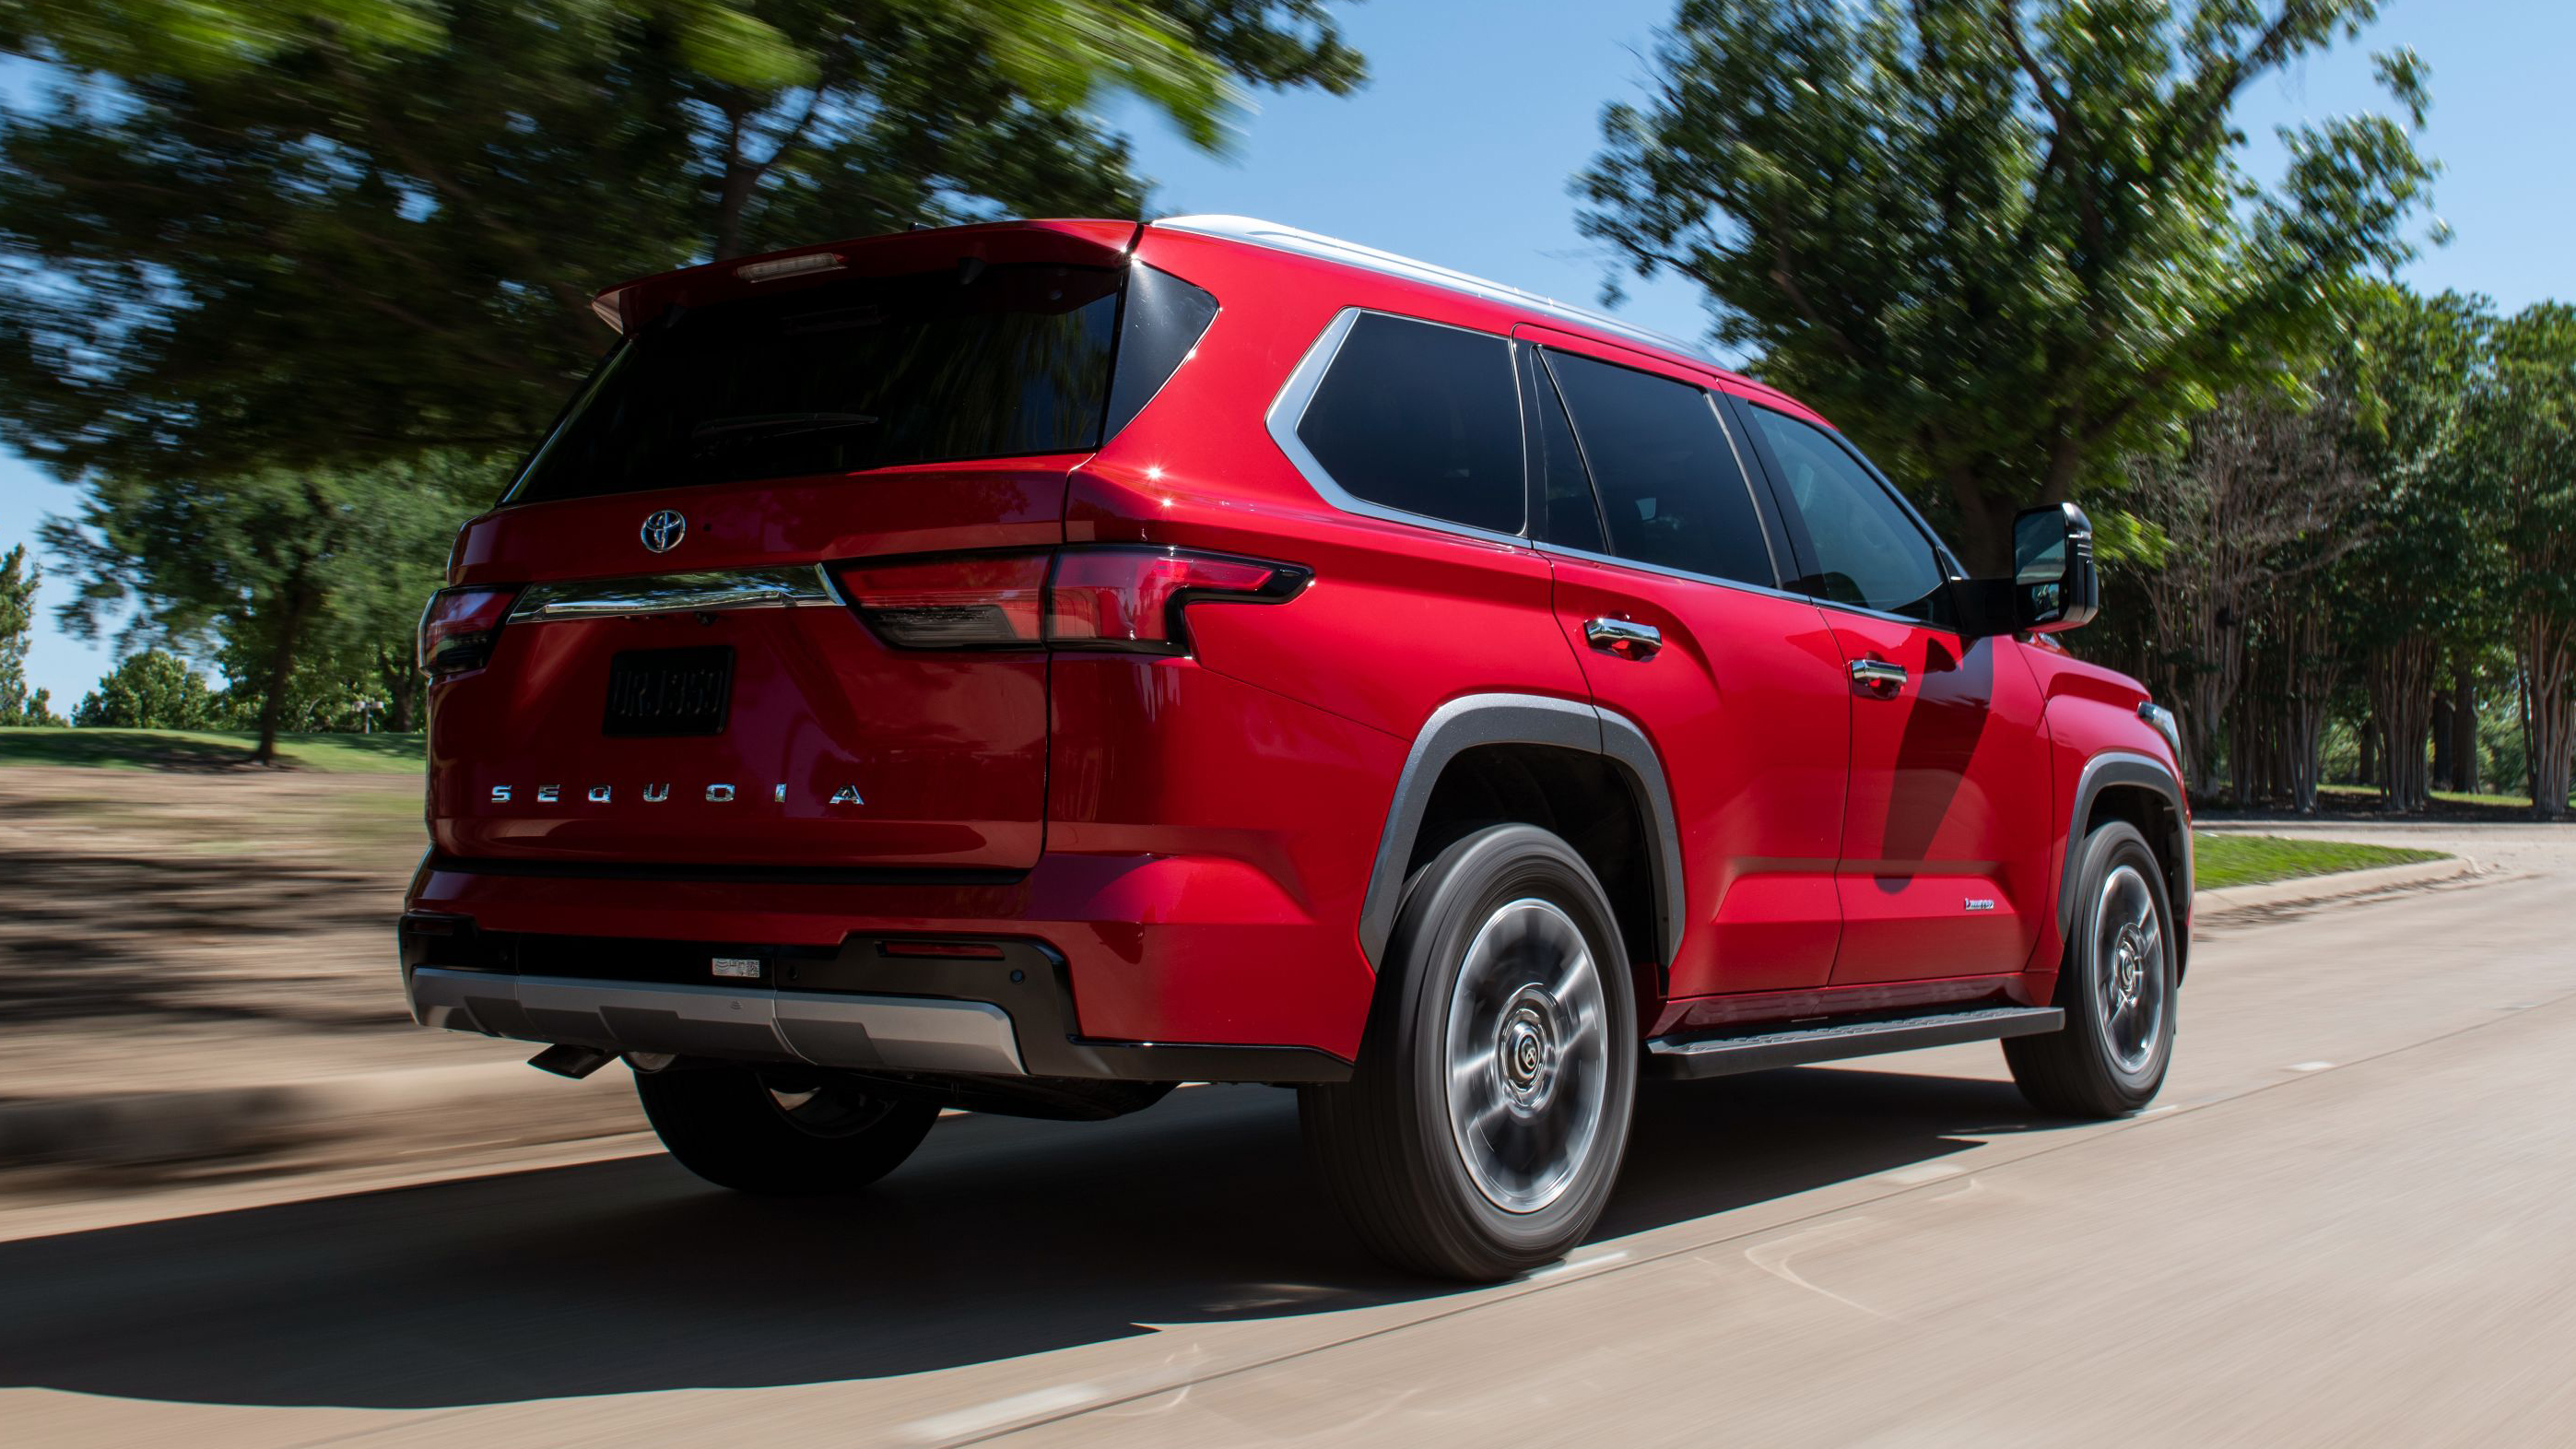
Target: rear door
1665,587
1945,836
682,677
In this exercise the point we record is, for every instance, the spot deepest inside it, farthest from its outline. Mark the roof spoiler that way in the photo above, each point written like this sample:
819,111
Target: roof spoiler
630,304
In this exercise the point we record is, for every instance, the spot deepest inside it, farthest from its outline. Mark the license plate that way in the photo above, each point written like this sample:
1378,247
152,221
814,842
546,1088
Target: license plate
669,691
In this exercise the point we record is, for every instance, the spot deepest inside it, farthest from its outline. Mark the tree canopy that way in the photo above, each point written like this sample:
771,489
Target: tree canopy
18,580
254,233
274,572
152,690
2004,243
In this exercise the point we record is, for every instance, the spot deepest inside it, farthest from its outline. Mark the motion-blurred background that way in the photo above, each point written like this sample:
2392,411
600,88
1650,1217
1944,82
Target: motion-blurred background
287,287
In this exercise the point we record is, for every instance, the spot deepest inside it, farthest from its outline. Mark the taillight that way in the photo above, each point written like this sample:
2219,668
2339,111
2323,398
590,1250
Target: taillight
1108,598
460,626
982,602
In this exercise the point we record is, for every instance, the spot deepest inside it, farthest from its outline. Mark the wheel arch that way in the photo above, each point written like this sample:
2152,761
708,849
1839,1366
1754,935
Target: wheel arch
2119,785
1536,754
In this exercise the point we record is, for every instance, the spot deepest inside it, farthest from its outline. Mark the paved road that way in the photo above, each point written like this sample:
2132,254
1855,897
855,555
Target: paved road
2351,1221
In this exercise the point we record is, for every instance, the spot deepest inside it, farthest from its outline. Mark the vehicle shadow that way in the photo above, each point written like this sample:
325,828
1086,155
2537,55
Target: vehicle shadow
1001,1239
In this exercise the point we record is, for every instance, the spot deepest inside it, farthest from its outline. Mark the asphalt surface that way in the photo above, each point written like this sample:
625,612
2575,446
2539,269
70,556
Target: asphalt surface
2349,1221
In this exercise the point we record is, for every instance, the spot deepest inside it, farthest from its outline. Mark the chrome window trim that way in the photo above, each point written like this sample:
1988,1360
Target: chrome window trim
692,591
1253,231
1666,571
1288,409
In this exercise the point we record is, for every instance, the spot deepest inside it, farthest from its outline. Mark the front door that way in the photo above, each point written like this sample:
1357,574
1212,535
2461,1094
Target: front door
1943,862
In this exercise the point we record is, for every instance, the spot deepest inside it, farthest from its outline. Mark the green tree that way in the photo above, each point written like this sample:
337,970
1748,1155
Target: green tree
2520,437
2006,243
18,581
152,690
2425,570
259,233
281,568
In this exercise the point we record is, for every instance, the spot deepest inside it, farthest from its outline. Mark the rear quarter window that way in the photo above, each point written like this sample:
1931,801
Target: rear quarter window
1423,419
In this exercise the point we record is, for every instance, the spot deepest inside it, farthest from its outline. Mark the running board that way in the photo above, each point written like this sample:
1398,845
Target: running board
1829,1041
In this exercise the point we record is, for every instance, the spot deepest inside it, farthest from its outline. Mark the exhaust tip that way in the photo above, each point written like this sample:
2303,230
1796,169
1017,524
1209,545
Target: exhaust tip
575,1062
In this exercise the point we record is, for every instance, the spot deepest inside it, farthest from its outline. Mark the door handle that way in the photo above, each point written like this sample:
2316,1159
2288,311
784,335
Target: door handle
1624,637
1878,676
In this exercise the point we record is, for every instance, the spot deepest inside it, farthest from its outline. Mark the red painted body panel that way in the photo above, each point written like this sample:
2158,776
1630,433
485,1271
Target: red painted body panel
1196,833
1945,808
1747,704
2087,711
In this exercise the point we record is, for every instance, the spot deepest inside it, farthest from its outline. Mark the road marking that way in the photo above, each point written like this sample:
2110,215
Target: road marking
1920,1172
2311,1066
1773,1258
1570,1265
975,1420
2160,1111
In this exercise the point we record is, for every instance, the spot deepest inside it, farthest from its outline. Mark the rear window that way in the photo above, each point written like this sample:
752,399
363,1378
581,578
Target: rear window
1422,418
866,373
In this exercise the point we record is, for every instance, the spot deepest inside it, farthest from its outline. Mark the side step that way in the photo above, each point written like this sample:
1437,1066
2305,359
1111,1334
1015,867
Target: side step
1829,1041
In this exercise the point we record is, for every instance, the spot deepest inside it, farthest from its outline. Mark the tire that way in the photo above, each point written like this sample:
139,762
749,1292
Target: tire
2116,985
1505,954
730,1126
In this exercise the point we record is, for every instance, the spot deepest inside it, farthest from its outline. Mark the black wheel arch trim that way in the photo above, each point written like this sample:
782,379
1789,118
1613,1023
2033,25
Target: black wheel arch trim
1524,719
2117,769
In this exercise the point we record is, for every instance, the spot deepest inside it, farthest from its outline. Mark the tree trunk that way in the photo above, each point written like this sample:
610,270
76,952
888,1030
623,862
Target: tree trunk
281,667
401,676
2545,648
2443,735
2464,732
2401,695
2366,769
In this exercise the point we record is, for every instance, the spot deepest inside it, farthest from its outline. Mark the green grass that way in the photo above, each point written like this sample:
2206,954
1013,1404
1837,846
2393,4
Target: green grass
2221,860
381,754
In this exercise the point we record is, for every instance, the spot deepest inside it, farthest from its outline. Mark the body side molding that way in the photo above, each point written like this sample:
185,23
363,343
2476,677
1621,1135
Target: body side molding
1517,719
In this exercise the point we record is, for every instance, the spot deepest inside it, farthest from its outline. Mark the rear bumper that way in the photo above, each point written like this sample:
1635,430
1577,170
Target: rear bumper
858,1032
986,1005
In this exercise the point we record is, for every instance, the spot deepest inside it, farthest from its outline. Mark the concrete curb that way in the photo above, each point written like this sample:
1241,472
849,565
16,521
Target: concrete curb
2341,885
480,1102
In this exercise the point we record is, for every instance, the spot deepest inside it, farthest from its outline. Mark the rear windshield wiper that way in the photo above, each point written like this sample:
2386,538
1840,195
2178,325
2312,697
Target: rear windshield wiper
777,425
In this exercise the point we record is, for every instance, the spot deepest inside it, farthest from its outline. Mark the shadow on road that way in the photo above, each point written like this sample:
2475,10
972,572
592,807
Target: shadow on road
1001,1239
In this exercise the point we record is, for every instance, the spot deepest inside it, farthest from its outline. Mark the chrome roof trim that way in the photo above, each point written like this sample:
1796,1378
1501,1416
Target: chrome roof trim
1277,237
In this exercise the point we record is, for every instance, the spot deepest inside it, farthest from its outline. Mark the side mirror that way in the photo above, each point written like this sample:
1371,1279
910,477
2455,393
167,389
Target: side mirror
2054,586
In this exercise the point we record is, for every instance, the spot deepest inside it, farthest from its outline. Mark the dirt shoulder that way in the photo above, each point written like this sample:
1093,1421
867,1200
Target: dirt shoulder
197,979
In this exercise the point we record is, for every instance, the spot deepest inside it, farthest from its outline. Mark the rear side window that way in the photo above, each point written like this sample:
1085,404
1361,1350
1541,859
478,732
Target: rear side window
1866,550
865,373
1423,419
1672,492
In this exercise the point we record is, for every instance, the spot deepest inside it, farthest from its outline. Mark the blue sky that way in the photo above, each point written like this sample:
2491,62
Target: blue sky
1460,148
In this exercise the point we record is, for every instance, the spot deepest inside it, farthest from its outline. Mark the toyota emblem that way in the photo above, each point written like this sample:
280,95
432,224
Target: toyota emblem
663,531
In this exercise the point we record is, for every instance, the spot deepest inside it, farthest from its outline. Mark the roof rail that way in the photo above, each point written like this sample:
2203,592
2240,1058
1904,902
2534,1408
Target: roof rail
1306,243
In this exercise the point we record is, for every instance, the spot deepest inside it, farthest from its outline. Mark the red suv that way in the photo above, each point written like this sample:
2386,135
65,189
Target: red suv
1023,667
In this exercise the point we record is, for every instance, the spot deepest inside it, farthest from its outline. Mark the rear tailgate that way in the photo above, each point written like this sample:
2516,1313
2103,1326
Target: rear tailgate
769,727
653,658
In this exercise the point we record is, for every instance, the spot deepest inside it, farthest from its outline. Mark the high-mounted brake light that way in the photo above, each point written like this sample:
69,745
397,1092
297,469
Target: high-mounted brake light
1110,598
460,626
788,267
